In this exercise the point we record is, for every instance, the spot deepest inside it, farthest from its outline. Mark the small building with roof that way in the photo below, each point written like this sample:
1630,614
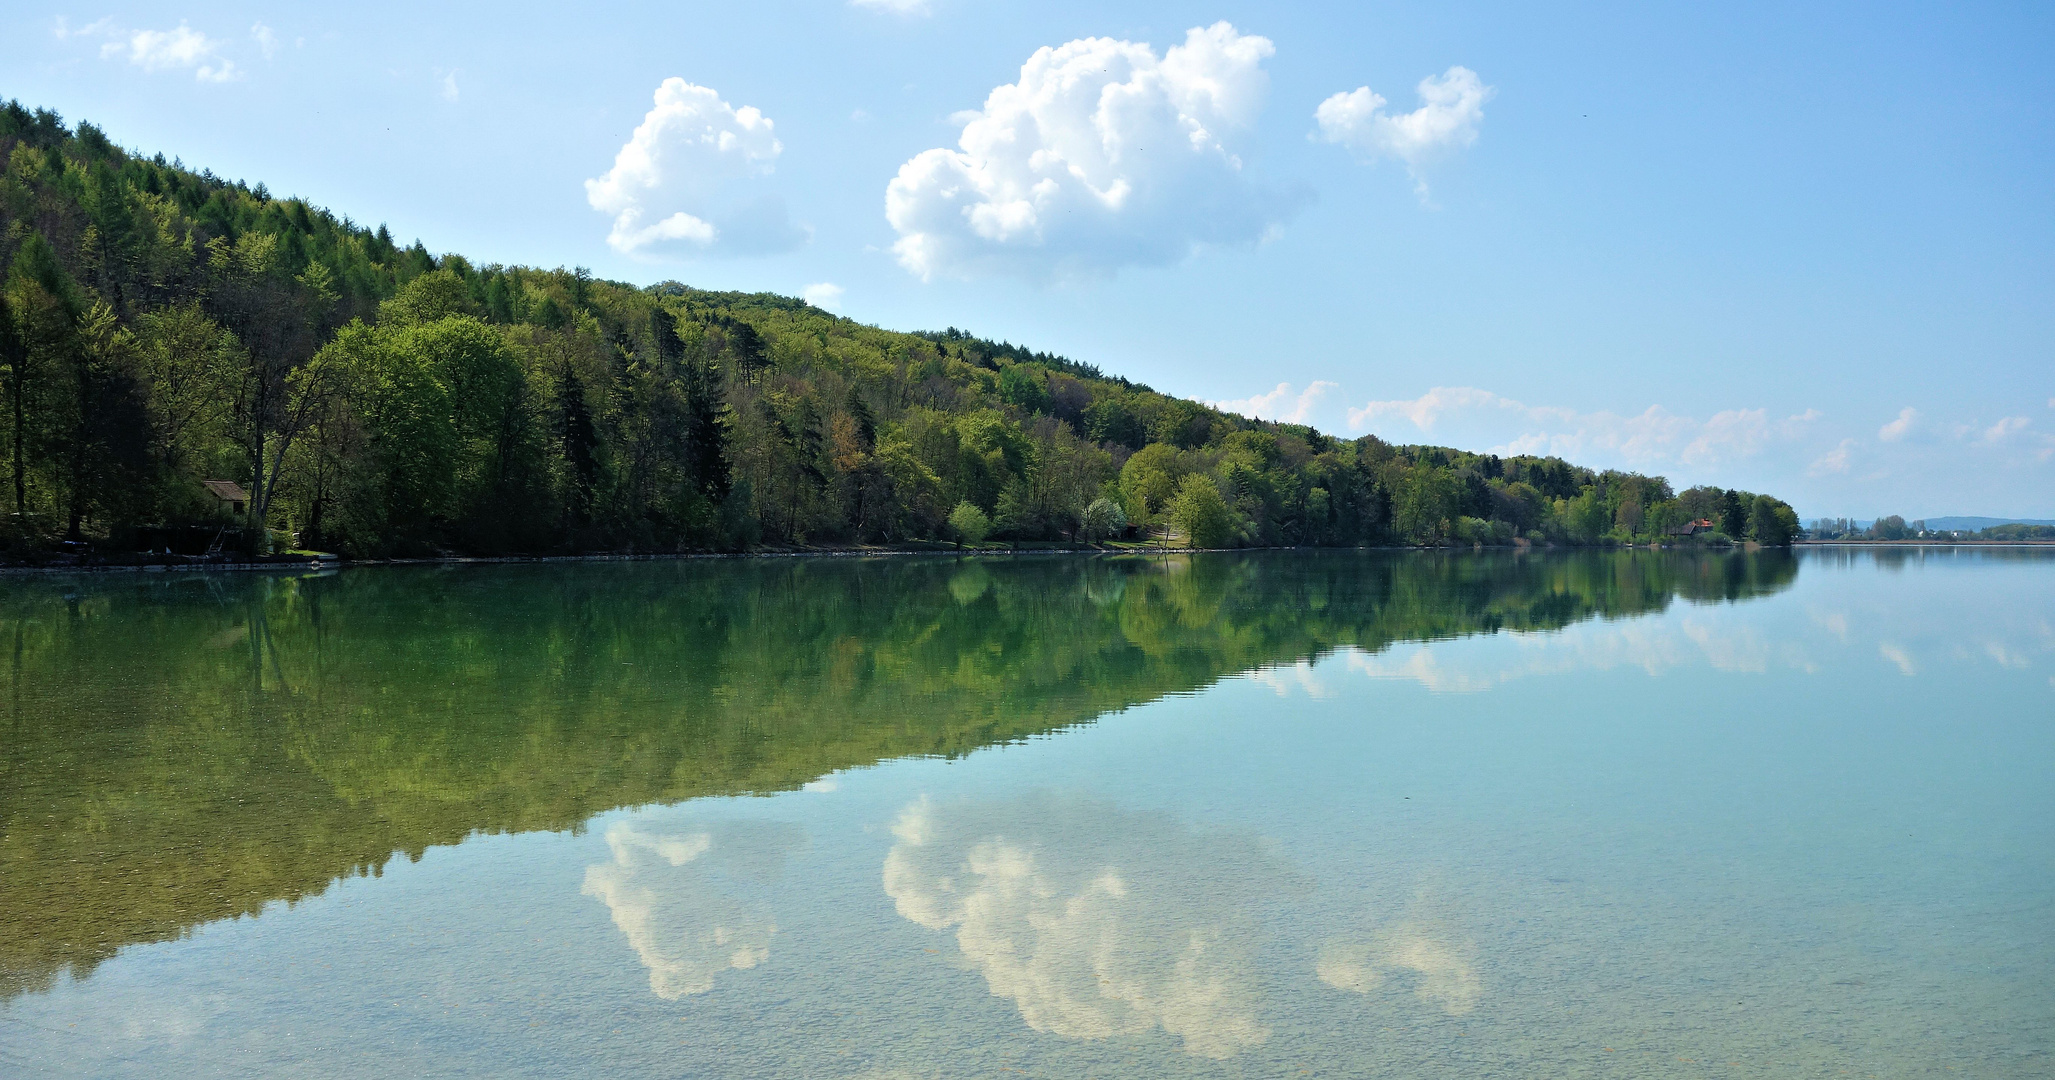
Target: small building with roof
228,493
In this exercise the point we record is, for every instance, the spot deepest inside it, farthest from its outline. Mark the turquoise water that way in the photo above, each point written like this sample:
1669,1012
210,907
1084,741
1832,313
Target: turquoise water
1278,815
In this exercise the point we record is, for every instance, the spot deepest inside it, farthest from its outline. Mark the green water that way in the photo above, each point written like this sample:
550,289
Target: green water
1285,814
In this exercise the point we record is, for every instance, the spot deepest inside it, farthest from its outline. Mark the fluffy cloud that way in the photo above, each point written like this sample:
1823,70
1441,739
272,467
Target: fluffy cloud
1451,109
1897,429
1095,922
825,295
1280,404
1102,155
690,180
683,898
177,49
1648,438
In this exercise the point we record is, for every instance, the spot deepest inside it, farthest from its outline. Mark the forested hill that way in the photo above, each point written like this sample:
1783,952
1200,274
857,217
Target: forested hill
164,327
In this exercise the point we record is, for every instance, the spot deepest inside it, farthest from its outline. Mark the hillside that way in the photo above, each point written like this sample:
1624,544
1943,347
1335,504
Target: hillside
162,327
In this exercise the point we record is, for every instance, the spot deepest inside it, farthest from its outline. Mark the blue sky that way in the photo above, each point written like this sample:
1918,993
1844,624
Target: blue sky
1802,251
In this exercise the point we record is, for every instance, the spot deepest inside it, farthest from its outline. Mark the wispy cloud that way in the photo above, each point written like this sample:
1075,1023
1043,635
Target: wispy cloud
180,48
267,42
1649,437
63,28
1280,404
895,7
1833,461
1997,432
449,89
1897,429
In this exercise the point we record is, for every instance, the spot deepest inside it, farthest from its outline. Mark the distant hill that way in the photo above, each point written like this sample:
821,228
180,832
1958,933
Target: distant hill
161,328
1972,524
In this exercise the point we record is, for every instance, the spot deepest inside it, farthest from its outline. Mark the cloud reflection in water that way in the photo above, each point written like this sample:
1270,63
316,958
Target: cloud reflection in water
1096,922
1438,966
682,898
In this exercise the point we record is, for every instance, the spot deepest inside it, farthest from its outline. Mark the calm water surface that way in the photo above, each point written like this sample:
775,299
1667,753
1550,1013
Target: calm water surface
1341,814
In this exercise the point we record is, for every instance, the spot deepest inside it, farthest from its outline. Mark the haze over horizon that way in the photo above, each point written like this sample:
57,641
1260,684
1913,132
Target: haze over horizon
1805,253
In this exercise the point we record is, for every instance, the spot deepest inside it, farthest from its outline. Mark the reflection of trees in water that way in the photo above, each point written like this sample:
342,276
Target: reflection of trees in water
185,748
1094,921
684,900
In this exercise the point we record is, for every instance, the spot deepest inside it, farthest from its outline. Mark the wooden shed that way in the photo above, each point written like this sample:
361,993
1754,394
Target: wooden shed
229,493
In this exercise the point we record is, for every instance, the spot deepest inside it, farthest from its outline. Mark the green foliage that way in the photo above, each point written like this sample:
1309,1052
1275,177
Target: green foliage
1102,519
2018,532
1201,514
970,524
160,327
1771,522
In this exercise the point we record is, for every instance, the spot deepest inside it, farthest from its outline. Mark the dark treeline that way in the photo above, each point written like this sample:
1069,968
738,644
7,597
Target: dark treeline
188,747
164,327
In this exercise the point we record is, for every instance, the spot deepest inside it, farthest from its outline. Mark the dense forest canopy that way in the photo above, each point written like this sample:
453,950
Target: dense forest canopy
160,327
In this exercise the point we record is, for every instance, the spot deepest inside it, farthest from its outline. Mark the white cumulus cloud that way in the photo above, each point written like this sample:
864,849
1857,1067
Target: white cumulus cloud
1451,110
1281,404
267,42
691,180
1095,922
1103,155
180,48
825,295
1651,437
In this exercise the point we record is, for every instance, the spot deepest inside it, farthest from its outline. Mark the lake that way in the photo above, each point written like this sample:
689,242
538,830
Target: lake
1343,814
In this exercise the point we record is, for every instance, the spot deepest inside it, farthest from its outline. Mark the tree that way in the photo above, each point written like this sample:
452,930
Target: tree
39,344
279,318
1201,513
1108,419
187,363
426,299
1102,519
1733,514
708,424
1148,481
1426,504
1020,386
14,358
106,445
1770,522
970,524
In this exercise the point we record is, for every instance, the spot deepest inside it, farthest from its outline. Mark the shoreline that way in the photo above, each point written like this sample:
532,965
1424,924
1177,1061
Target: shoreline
333,563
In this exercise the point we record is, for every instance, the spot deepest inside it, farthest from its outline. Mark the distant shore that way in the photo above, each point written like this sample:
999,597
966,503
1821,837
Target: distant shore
331,562
1923,543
